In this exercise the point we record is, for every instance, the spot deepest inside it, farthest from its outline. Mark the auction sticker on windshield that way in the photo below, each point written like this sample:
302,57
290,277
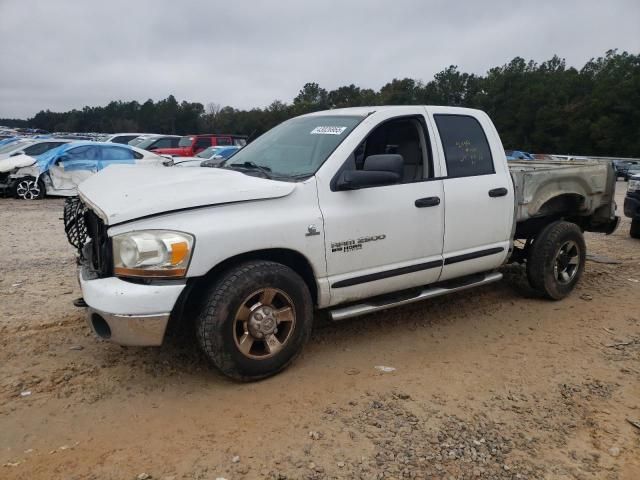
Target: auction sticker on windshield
328,130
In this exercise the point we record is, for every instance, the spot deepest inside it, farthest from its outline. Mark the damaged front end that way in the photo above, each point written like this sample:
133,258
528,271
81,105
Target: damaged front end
118,310
88,235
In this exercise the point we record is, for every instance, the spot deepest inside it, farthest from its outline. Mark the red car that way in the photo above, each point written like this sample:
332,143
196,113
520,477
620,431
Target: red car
190,145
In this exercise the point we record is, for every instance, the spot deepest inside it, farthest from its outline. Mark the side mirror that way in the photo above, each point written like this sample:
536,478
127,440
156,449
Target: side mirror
379,170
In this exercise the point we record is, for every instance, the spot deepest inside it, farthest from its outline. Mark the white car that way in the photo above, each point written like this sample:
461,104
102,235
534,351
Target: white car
61,170
123,138
30,147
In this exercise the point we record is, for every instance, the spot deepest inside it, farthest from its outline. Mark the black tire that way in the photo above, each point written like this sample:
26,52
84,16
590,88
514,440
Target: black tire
217,323
634,231
545,255
28,188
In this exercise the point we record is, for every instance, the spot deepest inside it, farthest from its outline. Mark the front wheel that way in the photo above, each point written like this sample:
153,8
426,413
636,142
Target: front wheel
556,260
255,320
29,188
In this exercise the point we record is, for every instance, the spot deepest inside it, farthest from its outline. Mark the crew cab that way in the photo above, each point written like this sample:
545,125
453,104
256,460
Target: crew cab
191,145
349,211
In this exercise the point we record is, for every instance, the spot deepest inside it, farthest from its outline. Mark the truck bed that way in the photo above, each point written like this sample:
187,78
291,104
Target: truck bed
566,188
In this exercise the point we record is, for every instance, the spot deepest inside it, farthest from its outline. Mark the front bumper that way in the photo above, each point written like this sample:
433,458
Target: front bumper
128,313
631,206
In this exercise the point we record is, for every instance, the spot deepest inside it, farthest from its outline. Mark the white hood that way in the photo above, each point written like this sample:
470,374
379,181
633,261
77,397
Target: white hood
19,161
121,193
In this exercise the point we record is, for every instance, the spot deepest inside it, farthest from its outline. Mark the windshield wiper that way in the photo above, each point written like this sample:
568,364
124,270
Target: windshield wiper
266,171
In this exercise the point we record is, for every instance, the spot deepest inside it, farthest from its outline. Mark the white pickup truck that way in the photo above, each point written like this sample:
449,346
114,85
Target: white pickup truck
348,211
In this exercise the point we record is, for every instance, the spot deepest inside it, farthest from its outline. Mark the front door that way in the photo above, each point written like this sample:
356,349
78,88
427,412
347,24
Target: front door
386,238
74,166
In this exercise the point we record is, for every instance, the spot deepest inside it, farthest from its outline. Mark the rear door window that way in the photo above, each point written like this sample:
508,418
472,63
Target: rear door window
465,145
116,153
202,142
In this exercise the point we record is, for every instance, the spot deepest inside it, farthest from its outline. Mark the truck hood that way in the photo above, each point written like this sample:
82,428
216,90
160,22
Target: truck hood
121,193
18,161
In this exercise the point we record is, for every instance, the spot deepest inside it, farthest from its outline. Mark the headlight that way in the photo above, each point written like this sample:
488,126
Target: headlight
634,185
152,253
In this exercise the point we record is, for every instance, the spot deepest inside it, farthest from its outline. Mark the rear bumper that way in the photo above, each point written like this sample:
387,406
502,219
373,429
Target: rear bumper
128,313
631,206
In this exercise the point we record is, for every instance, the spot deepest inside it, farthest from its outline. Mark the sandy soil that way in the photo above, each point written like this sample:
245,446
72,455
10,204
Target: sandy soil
492,383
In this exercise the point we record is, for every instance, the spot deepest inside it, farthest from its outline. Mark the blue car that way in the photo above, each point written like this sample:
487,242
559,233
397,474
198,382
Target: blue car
59,171
514,155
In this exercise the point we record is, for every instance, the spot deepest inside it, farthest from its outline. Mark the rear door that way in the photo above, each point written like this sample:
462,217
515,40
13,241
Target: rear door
478,191
115,156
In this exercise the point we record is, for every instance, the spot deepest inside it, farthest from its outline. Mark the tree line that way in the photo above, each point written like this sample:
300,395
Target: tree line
546,107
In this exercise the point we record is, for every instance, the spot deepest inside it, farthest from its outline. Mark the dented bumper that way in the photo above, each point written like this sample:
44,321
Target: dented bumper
128,313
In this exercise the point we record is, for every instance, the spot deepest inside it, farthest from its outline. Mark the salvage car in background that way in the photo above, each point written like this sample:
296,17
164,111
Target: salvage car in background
59,171
30,147
190,145
123,138
154,142
210,157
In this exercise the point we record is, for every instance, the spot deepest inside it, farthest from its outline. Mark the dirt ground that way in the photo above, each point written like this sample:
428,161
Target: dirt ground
490,383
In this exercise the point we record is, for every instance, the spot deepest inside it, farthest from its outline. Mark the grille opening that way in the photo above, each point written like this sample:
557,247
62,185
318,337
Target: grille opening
100,326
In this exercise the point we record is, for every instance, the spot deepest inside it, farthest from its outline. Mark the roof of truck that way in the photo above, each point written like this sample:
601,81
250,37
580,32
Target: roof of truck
365,111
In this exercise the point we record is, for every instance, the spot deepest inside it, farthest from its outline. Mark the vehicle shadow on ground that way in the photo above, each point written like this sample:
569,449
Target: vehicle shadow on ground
180,349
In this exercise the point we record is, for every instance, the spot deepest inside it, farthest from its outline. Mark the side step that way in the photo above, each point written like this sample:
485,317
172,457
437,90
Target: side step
436,290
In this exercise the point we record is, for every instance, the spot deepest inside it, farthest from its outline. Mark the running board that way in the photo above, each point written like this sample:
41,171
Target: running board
373,305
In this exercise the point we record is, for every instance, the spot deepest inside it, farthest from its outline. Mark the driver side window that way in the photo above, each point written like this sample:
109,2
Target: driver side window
406,137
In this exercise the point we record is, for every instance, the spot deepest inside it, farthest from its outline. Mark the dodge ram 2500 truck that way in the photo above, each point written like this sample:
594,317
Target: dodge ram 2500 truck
349,211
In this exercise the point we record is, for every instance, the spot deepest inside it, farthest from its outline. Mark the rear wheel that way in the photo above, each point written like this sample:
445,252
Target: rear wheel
556,260
635,228
255,320
29,188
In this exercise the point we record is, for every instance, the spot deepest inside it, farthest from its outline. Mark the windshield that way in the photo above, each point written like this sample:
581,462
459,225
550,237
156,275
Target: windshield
144,143
185,142
137,141
297,147
209,152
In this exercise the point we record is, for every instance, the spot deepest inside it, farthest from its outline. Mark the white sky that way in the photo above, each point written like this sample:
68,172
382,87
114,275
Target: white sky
66,54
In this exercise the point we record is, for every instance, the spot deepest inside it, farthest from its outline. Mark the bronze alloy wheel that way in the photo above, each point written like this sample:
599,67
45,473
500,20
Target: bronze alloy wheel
567,262
264,323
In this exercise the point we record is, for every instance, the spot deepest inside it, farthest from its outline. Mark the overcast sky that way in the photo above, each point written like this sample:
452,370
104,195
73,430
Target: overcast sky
66,54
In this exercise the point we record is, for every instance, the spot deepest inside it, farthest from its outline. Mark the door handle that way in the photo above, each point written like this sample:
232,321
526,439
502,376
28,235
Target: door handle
427,202
498,192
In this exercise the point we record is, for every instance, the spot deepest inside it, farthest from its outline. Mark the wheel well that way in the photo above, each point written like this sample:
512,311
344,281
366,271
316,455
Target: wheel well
292,259
565,203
